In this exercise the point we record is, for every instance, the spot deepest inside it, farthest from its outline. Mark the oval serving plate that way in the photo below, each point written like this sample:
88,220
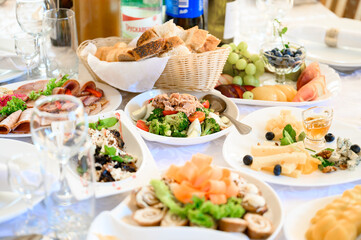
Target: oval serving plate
114,223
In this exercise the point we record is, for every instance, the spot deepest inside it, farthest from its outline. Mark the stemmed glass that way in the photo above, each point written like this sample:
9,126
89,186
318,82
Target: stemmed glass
27,47
25,176
59,129
29,15
274,9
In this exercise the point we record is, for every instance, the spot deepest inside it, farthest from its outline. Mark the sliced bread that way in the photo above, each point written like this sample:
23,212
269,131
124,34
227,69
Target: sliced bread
195,38
147,36
210,44
181,50
149,49
168,29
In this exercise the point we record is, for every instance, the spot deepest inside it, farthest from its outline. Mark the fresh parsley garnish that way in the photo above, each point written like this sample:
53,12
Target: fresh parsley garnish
12,106
103,123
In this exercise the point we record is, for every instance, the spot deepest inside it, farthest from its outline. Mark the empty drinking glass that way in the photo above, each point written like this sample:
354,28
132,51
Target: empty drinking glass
59,130
60,42
27,47
25,176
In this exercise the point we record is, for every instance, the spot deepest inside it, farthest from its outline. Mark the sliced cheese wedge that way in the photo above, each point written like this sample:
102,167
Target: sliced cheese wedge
267,150
282,158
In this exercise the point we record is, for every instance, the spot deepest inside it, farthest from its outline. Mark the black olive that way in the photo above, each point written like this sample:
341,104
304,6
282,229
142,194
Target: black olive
105,176
277,170
247,160
270,136
355,148
329,137
98,168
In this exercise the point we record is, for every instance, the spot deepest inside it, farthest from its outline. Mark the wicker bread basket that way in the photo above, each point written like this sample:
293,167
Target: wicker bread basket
193,72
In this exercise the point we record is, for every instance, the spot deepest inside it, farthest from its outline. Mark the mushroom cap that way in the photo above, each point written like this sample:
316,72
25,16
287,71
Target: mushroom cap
232,225
149,216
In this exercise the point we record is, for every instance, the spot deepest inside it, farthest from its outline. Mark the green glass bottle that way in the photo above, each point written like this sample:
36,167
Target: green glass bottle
222,19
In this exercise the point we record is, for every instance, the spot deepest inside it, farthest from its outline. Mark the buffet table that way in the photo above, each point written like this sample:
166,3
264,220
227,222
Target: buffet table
346,108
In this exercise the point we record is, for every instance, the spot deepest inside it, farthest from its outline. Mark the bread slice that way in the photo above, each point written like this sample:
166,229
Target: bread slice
147,36
120,45
172,42
149,49
168,29
126,55
102,52
210,44
177,51
195,38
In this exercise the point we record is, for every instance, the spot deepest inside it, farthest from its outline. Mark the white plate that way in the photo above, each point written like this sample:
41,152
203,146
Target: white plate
111,223
298,220
333,81
135,146
343,59
11,204
138,101
236,146
114,97
7,75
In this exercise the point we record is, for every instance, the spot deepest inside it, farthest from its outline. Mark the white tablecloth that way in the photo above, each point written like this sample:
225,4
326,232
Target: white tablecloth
347,106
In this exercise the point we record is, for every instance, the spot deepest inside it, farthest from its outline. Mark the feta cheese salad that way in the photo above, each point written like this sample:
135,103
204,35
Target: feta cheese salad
112,163
179,115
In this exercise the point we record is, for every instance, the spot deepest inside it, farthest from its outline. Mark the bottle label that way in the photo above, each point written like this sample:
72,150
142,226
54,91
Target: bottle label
230,20
184,8
134,25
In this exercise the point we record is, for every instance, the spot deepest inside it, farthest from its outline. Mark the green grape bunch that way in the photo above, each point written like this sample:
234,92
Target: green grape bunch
244,67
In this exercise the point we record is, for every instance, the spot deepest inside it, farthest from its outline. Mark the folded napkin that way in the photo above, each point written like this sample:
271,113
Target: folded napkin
11,61
139,76
330,36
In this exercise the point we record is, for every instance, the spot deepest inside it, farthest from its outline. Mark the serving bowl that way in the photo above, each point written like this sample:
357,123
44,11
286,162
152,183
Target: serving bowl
282,58
138,101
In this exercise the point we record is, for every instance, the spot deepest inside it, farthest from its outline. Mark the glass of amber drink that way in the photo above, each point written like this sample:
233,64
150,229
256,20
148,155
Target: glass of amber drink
316,122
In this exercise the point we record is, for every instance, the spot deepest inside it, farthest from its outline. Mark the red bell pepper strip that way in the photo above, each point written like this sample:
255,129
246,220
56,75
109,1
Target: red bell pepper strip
68,92
94,92
58,105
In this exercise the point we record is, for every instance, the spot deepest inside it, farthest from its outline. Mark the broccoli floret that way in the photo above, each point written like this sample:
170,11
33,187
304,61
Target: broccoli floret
205,110
210,126
179,134
178,122
159,128
156,114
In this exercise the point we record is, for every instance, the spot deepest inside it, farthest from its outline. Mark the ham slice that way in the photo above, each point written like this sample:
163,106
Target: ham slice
8,123
90,84
31,103
33,86
58,90
90,100
23,124
73,86
95,108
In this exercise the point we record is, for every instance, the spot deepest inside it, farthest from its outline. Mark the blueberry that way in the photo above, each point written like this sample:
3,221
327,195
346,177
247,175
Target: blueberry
277,170
274,51
287,51
329,137
355,148
297,59
270,136
247,160
278,62
278,54
299,52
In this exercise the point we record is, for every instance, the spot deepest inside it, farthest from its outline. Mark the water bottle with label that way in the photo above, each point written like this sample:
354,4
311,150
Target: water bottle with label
139,15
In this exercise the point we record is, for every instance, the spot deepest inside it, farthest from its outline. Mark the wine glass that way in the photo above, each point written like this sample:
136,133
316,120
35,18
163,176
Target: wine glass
26,177
60,42
59,128
29,15
27,47
274,9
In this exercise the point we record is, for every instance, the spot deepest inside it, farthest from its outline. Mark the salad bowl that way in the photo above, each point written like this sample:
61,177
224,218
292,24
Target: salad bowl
138,101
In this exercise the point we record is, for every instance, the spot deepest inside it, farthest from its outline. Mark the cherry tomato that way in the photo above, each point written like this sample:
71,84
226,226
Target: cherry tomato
142,125
206,104
165,113
200,115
